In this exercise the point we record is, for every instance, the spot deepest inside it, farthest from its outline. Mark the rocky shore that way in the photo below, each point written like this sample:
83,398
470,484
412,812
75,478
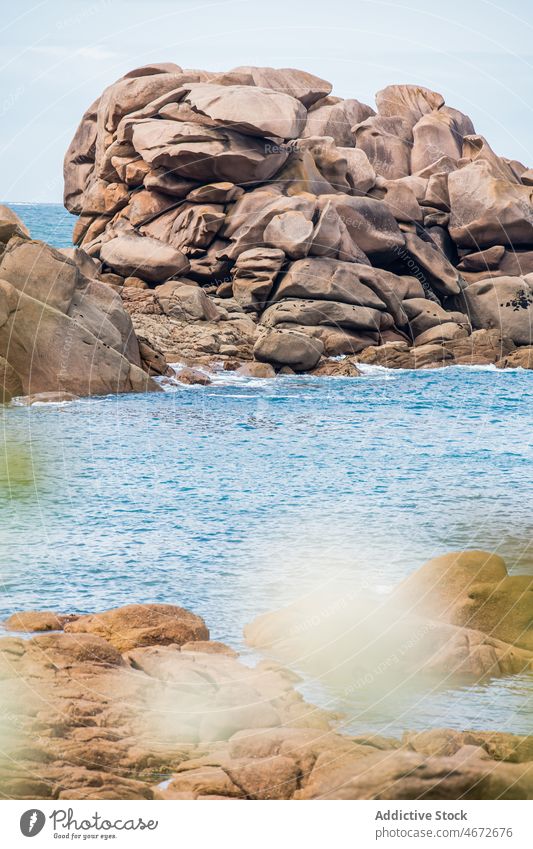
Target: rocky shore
63,332
139,703
250,216
250,220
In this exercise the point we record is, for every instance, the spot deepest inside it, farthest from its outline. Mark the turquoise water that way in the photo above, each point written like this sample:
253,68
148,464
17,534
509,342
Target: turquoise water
235,498
47,221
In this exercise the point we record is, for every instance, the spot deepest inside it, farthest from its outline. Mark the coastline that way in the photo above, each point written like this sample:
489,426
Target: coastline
139,703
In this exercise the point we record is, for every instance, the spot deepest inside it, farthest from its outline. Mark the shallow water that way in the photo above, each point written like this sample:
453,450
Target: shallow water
235,498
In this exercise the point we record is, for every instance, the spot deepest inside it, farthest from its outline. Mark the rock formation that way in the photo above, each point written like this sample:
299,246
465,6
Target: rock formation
61,329
139,703
459,617
302,216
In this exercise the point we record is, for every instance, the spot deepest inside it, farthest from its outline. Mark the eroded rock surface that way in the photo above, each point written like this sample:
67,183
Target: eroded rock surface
139,703
250,181
63,331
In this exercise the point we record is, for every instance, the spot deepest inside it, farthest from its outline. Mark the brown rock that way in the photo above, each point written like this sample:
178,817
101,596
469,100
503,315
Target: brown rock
36,620
291,232
411,102
408,775
483,260
387,143
10,382
142,625
473,589
437,271
11,225
328,279
521,358
318,313
192,377
488,210
254,274
185,300
502,303
435,135
52,352
251,110
336,368
209,647
446,332
336,119
206,154
262,370
288,348
135,283
149,258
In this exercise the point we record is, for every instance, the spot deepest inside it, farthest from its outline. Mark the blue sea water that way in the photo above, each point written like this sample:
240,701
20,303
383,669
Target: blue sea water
235,498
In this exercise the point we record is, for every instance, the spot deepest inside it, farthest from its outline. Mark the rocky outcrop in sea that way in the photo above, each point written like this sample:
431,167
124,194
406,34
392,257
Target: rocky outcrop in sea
252,215
139,703
63,333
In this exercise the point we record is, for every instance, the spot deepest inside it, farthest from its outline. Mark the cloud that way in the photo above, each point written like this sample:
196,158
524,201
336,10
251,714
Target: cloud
94,54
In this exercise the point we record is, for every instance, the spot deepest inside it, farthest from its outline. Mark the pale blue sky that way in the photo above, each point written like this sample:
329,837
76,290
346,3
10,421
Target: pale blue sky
56,56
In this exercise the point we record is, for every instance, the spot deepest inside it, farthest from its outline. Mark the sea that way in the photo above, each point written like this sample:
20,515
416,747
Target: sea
240,497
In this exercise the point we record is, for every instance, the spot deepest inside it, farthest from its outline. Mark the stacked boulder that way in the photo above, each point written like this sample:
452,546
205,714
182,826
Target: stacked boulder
300,225
63,332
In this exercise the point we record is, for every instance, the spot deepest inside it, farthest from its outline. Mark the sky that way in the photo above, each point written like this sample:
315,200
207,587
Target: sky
56,56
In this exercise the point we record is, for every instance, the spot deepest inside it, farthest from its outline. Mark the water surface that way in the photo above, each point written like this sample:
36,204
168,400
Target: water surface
235,498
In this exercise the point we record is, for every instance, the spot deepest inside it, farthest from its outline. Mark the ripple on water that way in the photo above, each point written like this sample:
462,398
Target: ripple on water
235,498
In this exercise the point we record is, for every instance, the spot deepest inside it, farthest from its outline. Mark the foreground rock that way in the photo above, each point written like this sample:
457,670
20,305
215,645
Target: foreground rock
473,589
63,332
299,207
139,703
460,617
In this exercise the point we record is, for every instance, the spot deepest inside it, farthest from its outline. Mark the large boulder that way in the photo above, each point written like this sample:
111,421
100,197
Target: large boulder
503,303
488,210
370,224
288,348
387,143
185,300
206,154
40,271
474,589
142,625
291,232
331,237
335,119
410,102
320,312
327,279
253,276
250,110
423,315
247,221
11,225
60,330
431,264
50,351
144,257
305,87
